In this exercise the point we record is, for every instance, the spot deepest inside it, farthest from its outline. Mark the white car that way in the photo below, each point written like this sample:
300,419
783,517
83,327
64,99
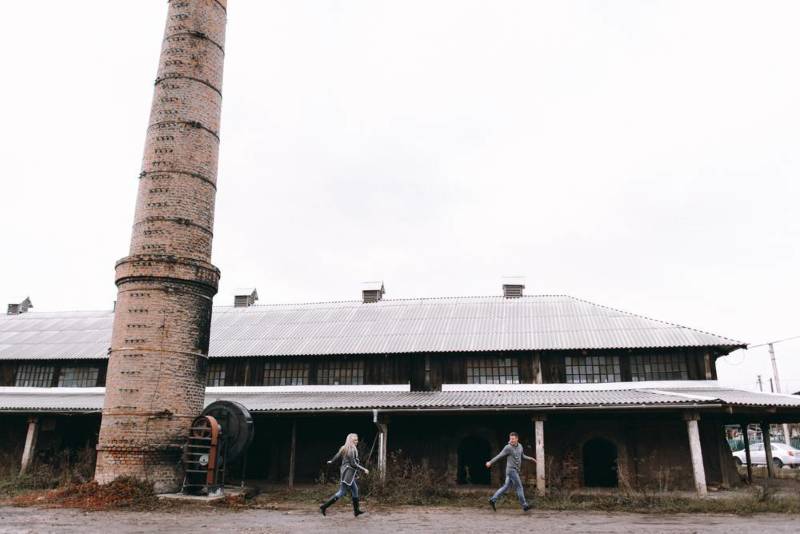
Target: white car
782,454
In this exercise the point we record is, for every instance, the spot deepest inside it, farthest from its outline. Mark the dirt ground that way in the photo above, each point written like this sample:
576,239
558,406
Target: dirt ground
406,519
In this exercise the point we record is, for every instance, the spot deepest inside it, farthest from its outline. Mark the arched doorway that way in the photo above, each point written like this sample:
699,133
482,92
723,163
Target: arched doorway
473,453
599,463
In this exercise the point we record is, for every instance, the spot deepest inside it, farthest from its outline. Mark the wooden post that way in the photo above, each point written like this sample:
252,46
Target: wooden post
30,443
708,367
383,437
538,430
744,427
537,368
697,454
765,437
292,454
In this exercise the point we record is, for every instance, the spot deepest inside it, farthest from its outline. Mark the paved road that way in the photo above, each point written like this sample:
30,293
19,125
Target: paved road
408,519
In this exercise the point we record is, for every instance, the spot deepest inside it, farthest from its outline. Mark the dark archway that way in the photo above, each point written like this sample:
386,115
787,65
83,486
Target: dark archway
600,463
473,453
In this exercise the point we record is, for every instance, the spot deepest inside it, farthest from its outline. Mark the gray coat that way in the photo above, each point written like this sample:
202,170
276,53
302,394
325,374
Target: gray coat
350,465
513,455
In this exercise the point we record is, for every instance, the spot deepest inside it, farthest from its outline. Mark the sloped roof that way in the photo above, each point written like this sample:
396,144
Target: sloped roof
462,324
269,401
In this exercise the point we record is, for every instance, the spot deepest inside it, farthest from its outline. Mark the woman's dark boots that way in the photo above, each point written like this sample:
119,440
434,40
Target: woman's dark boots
326,504
356,510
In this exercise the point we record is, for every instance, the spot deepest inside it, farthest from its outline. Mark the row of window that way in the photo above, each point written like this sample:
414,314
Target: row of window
41,376
282,373
594,369
579,370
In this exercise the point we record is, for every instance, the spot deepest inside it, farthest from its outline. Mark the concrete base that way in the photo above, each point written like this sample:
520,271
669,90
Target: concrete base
229,491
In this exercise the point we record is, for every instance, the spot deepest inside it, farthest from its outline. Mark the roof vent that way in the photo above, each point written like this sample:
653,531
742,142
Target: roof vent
372,291
22,307
513,286
245,297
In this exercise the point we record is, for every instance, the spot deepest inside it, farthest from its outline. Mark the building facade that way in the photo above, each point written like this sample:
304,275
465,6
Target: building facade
603,398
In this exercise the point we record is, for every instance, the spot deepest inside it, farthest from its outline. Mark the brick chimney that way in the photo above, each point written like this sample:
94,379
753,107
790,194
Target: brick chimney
513,286
156,373
372,291
22,307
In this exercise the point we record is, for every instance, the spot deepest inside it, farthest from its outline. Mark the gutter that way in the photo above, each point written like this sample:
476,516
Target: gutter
537,409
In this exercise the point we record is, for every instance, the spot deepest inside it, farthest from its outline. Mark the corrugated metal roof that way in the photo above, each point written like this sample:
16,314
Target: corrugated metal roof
55,335
432,400
738,397
13,399
91,399
389,326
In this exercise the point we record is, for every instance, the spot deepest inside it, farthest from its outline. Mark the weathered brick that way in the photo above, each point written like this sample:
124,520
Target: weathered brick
156,375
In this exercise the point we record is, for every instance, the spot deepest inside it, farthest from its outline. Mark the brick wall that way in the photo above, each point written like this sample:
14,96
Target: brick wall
156,374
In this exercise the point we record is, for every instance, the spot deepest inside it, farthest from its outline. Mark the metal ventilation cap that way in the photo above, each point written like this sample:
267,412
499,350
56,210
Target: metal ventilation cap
244,297
513,286
22,307
372,291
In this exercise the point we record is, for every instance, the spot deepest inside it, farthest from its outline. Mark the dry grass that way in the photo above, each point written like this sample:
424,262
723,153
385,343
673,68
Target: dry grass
122,493
62,469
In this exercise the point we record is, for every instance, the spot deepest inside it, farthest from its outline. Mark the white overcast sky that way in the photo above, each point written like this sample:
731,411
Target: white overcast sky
642,154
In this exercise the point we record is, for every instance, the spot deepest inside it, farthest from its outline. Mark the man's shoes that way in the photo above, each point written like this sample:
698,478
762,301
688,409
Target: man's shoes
492,504
526,507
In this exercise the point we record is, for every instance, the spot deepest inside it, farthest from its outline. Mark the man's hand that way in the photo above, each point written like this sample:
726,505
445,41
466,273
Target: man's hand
329,462
488,465
366,471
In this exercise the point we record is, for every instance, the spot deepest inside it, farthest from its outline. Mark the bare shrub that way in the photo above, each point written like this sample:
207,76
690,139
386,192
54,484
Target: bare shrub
407,482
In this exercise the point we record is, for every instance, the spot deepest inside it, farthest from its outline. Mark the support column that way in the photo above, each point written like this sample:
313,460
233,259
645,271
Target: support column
744,427
292,454
697,454
383,437
538,429
30,443
767,449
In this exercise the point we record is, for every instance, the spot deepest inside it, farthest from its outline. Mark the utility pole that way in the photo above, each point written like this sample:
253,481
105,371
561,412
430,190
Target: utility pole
758,382
786,436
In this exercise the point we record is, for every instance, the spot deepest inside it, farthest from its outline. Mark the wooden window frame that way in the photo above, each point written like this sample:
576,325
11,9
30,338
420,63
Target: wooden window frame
83,376
660,366
592,369
493,370
286,373
215,376
35,375
341,372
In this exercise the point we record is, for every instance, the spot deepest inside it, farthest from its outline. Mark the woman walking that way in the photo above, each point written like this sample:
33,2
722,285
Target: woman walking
350,467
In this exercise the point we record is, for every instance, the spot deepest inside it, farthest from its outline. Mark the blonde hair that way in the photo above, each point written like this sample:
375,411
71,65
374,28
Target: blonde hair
349,444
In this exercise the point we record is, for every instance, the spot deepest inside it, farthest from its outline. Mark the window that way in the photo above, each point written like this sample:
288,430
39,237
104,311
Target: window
492,371
285,373
34,375
659,367
340,372
592,369
216,374
78,377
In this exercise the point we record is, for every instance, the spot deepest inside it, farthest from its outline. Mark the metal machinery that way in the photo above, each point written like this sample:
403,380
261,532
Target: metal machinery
219,437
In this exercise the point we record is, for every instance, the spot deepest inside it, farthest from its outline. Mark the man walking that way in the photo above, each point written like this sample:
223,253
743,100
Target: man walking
514,455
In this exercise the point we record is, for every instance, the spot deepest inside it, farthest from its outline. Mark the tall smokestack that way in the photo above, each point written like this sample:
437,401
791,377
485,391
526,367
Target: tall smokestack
159,347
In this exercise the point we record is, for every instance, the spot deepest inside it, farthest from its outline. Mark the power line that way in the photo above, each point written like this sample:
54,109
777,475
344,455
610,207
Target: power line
772,342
